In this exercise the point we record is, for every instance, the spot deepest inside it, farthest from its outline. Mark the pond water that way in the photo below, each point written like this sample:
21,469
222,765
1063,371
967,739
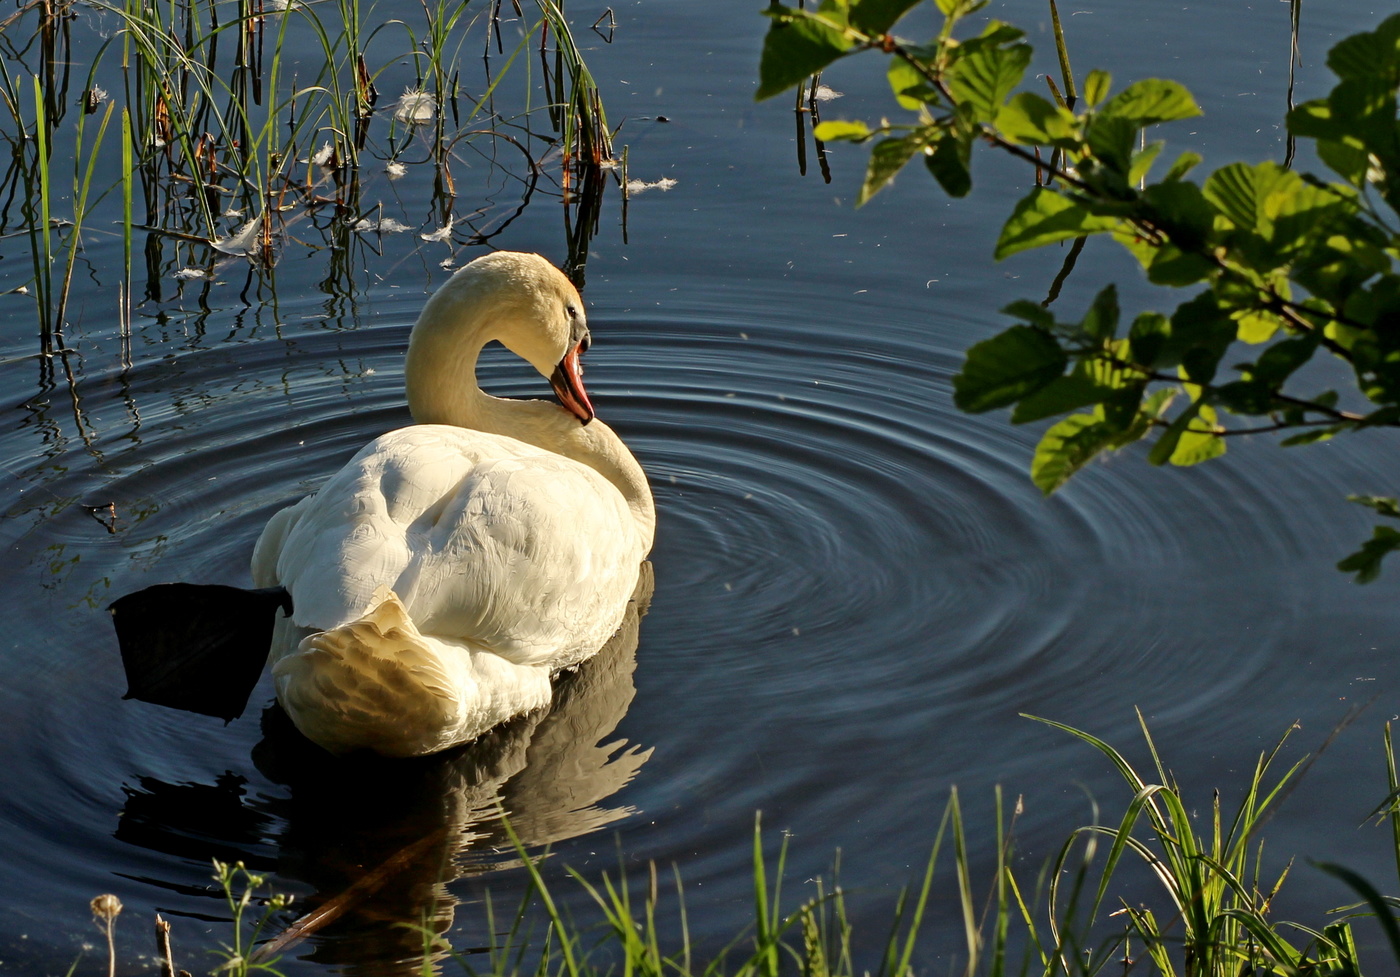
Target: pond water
857,591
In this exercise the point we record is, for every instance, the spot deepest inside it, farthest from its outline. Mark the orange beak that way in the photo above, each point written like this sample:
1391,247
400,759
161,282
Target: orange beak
567,382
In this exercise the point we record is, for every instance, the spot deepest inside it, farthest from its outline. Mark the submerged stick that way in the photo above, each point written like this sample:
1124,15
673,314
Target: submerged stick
359,890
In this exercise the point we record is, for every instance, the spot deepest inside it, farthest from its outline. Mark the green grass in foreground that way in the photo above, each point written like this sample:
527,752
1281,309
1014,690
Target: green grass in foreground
1213,920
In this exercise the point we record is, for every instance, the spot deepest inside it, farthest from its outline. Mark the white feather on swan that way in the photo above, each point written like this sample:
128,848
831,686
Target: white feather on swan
451,567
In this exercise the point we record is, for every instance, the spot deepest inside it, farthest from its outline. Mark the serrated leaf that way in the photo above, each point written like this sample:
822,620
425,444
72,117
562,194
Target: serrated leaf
1011,365
1180,209
1198,441
983,77
886,159
1172,266
1032,312
1184,164
1112,141
911,89
1044,216
1374,54
1141,163
1366,562
1148,337
1067,447
950,162
1258,327
1239,191
1166,445
841,130
1244,397
1096,87
1061,395
878,16
796,47
1150,101
1101,321
1032,120
1313,437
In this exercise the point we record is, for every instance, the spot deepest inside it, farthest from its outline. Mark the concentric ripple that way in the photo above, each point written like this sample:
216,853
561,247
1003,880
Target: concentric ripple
857,590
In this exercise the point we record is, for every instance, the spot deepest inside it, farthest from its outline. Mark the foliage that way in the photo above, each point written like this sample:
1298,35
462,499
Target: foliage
240,888
1281,265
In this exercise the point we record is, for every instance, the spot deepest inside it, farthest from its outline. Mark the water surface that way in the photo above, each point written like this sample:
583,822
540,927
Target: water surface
857,593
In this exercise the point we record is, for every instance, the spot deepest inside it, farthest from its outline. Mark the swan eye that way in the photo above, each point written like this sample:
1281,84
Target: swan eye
572,311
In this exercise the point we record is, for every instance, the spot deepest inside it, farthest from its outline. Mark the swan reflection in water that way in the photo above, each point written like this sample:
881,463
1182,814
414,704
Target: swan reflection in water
410,825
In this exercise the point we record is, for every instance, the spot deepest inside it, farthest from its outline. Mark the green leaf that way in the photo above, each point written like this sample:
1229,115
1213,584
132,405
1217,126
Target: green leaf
1239,190
1184,164
1142,161
1101,321
1166,445
911,89
1257,326
797,45
950,162
840,130
1385,505
1198,442
1067,447
1313,436
1180,209
886,159
1150,101
984,76
1373,55
1148,337
1113,141
878,16
1032,312
1063,394
1366,562
1096,87
1351,163
1001,370
1177,268
1032,120
1313,120
1279,361
1044,216
1244,397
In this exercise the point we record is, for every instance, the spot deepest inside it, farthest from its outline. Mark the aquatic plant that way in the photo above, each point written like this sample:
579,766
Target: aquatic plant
1214,920
250,125
1285,265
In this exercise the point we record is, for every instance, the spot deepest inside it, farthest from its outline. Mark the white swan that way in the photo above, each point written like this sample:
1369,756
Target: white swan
451,567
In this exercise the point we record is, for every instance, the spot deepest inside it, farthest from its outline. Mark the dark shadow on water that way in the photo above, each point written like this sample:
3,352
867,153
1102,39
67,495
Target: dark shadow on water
384,839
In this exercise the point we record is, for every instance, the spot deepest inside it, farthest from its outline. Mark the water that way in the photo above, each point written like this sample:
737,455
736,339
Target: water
857,588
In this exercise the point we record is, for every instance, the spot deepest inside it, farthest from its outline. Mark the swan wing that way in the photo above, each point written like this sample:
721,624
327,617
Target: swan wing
485,539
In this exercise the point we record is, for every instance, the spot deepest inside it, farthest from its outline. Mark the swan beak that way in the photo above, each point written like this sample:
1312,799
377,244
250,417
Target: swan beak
567,382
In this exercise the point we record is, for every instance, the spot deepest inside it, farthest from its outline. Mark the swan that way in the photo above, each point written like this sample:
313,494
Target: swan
441,577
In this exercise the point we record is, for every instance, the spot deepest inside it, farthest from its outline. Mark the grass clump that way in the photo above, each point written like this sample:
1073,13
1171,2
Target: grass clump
1211,916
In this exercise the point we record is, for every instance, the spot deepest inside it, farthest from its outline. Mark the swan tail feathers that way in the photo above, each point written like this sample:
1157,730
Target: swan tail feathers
199,648
378,684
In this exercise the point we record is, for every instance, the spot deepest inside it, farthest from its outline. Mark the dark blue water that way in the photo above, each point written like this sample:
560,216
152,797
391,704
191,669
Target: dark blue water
858,590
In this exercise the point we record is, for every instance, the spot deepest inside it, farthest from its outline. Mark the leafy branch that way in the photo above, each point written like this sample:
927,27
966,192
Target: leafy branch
1281,264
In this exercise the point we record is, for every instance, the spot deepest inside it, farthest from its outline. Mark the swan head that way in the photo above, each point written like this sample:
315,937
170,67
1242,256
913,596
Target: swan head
519,300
